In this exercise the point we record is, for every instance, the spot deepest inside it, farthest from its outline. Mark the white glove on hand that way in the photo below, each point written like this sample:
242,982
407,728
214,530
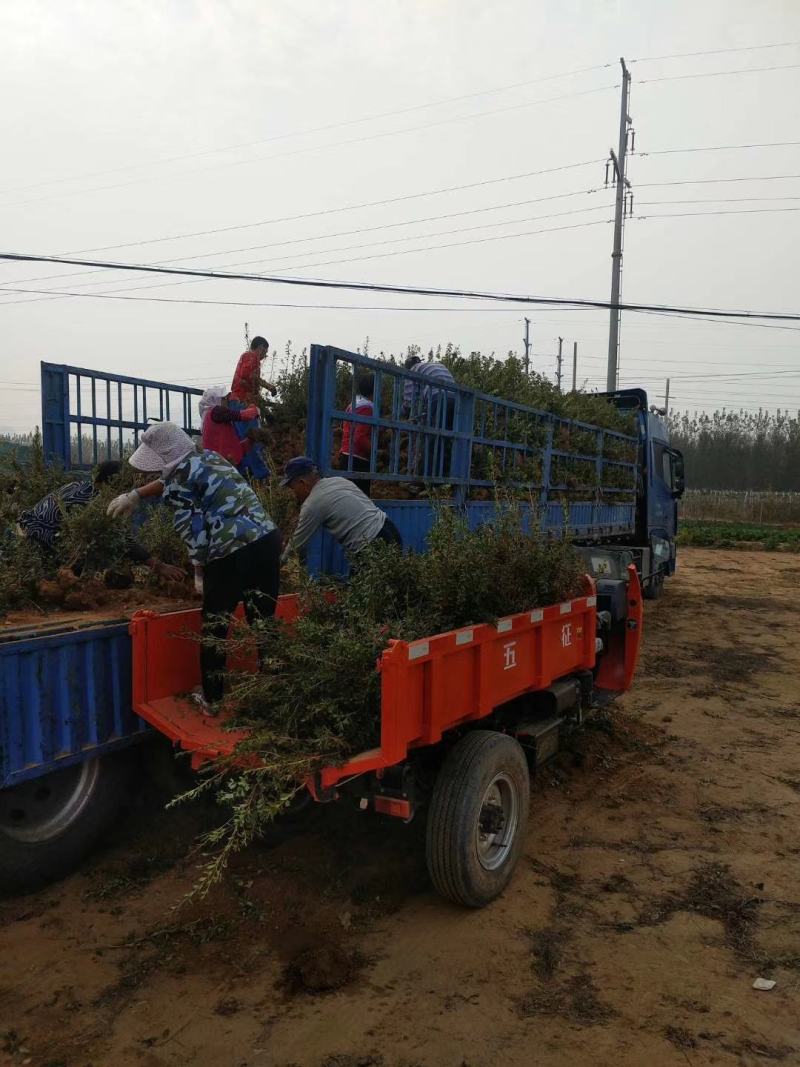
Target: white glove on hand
124,505
198,581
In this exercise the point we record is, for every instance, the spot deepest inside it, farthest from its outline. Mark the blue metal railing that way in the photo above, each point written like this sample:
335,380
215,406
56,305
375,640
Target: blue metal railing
470,442
450,435
111,410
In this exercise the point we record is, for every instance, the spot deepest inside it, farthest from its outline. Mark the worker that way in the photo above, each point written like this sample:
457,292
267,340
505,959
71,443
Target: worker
42,522
218,426
233,544
337,505
433,407
244,395
247,379
356,450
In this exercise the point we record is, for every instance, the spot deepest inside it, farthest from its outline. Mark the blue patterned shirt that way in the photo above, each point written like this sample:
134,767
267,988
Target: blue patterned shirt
216,511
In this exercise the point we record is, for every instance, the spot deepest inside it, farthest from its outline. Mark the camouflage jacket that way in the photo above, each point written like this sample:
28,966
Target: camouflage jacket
216,511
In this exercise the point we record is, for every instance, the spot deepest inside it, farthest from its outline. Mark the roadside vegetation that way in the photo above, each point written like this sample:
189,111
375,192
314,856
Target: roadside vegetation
739,535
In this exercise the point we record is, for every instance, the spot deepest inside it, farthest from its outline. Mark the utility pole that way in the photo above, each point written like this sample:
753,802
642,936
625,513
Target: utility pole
666,398
527,340
619,178
246,335
558,372
574,366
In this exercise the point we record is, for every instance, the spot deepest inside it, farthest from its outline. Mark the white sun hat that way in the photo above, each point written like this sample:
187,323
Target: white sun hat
211,398
161,448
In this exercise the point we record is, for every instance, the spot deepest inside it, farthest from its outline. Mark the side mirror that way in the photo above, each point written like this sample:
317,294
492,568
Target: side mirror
678,474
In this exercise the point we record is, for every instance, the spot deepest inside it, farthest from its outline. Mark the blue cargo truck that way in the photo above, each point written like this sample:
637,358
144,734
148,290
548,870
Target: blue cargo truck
69,740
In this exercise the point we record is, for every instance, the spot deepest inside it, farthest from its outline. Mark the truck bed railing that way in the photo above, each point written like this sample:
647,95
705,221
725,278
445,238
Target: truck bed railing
90,415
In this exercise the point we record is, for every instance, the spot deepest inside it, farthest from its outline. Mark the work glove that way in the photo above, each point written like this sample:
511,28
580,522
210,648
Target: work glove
124,505
198,580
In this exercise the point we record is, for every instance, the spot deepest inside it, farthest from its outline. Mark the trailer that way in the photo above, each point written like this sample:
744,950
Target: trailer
465,716
70,727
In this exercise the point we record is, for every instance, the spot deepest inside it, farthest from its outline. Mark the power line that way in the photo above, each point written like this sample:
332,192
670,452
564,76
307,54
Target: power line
250,303
322,283
394,240
719,200
458,230
311,130
338,210
717,181
316,148
717,73
716,148
333,262
718,51
340,233
701,214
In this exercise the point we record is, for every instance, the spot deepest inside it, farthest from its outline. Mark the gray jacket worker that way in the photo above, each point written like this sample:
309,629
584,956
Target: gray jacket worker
338,505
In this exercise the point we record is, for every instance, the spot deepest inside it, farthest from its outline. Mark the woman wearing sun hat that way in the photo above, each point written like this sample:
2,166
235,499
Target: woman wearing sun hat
234,545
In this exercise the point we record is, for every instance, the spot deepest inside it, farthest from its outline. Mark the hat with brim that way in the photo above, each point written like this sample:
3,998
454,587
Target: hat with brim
145,459
161,448
298,467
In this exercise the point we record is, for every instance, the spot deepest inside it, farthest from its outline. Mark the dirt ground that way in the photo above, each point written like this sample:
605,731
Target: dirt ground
659,879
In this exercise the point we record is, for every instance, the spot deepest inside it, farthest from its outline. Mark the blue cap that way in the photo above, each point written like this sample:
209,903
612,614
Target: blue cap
297,468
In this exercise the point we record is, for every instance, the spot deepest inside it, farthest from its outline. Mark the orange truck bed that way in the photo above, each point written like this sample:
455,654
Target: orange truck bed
427,686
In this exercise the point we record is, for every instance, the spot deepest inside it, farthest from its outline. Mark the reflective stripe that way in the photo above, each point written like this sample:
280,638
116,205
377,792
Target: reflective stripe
537,616
566,607
418,650
463,637
591,601
504,625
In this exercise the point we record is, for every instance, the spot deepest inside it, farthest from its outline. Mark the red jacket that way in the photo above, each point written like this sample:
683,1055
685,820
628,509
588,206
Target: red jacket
245,378
219,434
362,436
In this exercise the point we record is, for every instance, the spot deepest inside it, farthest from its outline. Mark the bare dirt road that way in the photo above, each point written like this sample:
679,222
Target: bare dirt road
660,878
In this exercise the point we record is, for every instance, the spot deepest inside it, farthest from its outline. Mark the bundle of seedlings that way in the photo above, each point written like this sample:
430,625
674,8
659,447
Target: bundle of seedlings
316,699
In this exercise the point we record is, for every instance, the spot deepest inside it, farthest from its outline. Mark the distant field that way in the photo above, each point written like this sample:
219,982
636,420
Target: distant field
734,534
745,506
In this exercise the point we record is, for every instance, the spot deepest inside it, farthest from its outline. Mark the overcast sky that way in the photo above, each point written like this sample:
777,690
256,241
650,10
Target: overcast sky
126,123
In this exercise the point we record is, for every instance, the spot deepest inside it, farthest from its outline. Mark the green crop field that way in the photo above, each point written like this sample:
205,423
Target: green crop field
739,534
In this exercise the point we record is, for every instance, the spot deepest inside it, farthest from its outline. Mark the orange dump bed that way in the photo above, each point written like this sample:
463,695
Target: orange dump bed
427,686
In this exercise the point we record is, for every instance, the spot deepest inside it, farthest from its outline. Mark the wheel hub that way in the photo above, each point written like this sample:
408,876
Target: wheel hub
498,818
41,809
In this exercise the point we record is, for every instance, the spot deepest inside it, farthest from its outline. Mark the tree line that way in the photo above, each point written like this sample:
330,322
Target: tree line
739,449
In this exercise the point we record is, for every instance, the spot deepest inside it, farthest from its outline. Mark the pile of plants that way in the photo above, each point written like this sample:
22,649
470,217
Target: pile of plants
316,699
90,556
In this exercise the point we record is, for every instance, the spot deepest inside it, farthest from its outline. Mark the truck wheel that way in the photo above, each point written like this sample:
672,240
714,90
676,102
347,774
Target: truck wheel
477,818
49,824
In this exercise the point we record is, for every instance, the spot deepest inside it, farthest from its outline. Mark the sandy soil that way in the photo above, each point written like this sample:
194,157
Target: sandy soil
660,878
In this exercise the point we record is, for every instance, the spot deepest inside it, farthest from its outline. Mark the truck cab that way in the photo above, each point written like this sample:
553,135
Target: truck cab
661,484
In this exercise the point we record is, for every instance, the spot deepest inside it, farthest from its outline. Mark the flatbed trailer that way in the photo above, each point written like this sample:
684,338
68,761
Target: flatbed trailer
477,708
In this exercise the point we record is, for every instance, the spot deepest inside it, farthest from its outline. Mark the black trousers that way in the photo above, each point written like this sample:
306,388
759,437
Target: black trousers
359,465
388,533
250,574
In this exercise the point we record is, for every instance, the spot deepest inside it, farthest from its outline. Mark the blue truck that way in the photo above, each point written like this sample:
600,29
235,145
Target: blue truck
69,739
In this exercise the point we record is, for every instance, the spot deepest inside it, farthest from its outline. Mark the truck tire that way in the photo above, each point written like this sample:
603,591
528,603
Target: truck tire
49,824
477,818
